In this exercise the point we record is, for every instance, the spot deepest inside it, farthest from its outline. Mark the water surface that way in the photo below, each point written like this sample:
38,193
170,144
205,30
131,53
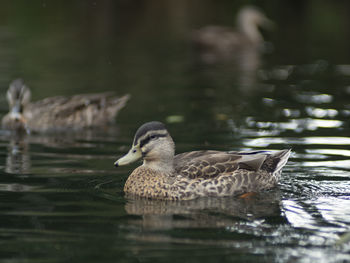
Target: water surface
61,198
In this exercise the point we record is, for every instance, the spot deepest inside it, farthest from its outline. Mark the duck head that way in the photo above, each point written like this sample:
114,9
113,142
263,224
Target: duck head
154,145
18,97
249,19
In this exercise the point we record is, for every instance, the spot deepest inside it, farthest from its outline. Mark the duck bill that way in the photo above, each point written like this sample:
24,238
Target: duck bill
132,156
16,116
16,108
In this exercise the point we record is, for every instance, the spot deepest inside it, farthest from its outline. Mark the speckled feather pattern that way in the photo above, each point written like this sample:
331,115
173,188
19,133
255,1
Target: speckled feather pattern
202,176
164,175
77,112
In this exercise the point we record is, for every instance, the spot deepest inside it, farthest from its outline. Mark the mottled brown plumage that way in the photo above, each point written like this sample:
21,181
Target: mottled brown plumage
59,113
200,173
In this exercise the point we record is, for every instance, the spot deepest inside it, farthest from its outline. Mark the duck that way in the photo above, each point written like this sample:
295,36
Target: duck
59,113
217,43
190,175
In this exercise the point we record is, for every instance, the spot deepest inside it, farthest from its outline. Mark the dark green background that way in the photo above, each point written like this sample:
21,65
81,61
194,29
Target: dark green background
61,199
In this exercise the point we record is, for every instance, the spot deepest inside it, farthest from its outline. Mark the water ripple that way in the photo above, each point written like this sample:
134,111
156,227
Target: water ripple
267,141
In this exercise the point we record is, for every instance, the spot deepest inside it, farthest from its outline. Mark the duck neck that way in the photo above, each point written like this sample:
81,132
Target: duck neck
166,167
250,30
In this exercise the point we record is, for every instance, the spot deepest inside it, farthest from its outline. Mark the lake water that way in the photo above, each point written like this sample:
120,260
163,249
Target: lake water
61,197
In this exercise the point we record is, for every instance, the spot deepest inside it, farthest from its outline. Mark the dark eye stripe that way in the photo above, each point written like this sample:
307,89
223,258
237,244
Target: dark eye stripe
151,137
147,127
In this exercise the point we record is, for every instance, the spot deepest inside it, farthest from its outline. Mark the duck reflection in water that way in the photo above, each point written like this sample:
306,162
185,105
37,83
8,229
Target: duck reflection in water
18,158
239,50
225,213
59,113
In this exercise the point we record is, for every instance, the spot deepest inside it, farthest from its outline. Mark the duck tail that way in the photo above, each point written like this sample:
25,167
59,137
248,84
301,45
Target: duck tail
283,157
276,161
116,104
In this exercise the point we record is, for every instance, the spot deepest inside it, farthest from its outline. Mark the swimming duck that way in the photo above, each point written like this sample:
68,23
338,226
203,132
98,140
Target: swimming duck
164,175
218,42
59,113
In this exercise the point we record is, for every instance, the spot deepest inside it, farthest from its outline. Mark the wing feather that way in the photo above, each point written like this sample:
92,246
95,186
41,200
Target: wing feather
210,164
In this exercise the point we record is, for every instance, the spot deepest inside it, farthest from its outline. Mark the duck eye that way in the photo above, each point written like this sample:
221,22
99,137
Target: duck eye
153,137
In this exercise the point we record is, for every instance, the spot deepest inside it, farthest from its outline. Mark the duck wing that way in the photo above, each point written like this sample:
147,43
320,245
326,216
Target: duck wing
100,104
210,164
76,112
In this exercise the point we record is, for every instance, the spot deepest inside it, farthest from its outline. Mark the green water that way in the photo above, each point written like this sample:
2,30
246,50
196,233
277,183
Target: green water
61,198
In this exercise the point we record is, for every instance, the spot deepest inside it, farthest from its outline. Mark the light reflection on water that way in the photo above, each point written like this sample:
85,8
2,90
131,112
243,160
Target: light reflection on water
309,211
62,198
298,124
267,141
314,98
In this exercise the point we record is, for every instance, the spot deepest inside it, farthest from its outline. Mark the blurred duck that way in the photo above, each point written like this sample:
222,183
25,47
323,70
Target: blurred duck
59,113
164,175
217,43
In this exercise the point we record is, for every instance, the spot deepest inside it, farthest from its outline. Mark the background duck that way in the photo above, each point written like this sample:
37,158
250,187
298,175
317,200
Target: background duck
59,113
217,43
164,175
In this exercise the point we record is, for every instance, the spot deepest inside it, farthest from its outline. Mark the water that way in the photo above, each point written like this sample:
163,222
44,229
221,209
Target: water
61,198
